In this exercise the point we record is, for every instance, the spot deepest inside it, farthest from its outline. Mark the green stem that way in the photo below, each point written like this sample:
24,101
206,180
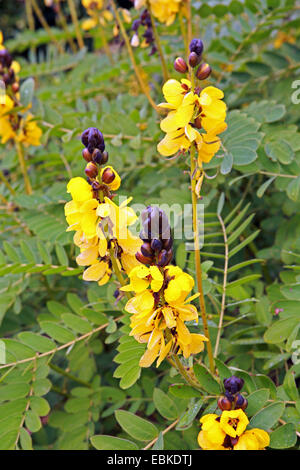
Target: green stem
131,55
198,261
22,162
68,375
75,22
158,44
182,370
7,184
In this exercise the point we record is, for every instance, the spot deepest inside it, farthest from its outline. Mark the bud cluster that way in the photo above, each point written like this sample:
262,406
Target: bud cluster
156,235
196,50
232,400
7,73
145,21
95,155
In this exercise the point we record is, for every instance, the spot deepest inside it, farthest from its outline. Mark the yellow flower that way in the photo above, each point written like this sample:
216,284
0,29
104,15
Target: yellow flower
94,224
30,133
92,4
141,277
6,104
188,112
164,10
89,24
228,432
79,189
212,436
234,422
6,130
159,313
179,285
254,439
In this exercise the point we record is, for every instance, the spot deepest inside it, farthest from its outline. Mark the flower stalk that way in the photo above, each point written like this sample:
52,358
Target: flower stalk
74,17
23,166
131,55
198,260
45,25
158,44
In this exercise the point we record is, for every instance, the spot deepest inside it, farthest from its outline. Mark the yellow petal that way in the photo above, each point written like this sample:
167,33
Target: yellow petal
95,272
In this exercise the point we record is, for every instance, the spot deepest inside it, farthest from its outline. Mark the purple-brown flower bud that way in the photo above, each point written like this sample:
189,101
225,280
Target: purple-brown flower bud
194,59
240,402
156,244
97,156
5,58
91,170
224,404
86,155
104,157
108,176
162,259
147,250
143,259
15,87
203,72
180,65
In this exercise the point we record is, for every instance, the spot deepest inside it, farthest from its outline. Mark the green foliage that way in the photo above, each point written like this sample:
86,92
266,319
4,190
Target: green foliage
69,369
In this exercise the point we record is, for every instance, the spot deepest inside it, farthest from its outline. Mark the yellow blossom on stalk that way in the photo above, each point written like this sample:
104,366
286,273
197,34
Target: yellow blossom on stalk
29,132
159,313
164,10
228,432
142,277
100,226
98,14
188,112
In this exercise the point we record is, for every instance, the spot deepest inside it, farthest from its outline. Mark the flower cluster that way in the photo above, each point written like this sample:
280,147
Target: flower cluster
14,125
164,10
160,308
196,116
228,431
148,36
97,12
101,225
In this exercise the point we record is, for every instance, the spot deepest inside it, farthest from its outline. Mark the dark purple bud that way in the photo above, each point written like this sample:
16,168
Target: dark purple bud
97,156
162,258
240,402
95,140
85,137
233,384
196,45
116,293
156,244
147,250
135,25
5,58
